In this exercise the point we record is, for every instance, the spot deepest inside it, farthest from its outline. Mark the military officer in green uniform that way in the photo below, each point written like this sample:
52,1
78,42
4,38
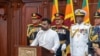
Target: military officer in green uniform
62,31
33,28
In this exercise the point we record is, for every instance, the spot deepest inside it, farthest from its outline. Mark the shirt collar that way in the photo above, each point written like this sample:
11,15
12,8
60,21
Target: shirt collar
81,23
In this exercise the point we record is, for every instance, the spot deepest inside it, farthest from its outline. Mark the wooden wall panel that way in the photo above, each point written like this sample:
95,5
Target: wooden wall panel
93,7
3,34
13,28
3,37
45,9
27,11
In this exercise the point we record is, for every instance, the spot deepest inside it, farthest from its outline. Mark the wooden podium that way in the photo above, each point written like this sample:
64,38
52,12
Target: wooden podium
33,51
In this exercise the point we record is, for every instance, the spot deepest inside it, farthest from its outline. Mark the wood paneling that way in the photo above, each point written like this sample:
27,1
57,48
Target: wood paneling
27,11
3,38
3,34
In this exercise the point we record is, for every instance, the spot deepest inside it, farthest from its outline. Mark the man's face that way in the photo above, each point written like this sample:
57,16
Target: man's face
58,21
45,25
79,19
35,21
97,21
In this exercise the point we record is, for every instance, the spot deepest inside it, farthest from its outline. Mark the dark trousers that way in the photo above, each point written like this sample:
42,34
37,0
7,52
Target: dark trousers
90,49
28,43
59,52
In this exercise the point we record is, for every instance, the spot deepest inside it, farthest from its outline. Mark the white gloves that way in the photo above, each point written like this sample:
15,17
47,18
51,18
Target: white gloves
63,47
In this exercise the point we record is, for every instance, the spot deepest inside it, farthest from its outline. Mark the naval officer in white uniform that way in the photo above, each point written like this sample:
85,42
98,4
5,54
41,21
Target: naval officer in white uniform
79,34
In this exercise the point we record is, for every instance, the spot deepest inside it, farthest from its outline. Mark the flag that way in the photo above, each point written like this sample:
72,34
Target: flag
85,6
54,9
98,8
69,13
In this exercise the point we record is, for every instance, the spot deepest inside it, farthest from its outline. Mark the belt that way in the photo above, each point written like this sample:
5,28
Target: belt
62,41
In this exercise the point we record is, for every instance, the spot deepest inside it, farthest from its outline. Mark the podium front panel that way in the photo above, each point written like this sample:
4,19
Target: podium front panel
27,51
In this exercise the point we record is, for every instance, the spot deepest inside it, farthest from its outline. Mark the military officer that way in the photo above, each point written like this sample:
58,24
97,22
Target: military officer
62,31
33,28
94,39
79,33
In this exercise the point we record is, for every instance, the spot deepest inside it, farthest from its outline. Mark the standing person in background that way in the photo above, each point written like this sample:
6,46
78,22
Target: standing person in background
33,28
62,31
79,34
95,36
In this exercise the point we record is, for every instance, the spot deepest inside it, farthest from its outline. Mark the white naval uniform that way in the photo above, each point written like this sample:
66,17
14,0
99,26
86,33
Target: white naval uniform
79,41
48,39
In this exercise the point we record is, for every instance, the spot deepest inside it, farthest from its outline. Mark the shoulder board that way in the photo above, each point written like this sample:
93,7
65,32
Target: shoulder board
65,26
29,25
92,26
86,24
40,24
53,26
73,24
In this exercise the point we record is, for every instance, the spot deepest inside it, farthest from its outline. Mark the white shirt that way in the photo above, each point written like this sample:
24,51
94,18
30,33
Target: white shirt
48,39
79,41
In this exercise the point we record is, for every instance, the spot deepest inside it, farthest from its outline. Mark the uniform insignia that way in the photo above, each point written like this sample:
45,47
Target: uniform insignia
40,24
83,31
96,13
61,31
53,26
38,29
29,24
74,33
65,27
86,24
73,24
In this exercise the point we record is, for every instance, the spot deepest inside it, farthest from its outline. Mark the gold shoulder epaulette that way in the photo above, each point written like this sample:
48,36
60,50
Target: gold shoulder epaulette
53,26
29,25
40,24
73,24
65,26
86,24
92,26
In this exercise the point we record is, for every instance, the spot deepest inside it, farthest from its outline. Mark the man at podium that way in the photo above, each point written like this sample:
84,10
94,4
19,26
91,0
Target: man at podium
46,37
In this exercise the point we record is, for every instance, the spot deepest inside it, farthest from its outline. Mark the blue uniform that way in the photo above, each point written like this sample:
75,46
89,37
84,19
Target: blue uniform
94,38
63,33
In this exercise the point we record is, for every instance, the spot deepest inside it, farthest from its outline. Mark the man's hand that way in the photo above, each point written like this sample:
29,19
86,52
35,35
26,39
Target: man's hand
51,51
97,51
